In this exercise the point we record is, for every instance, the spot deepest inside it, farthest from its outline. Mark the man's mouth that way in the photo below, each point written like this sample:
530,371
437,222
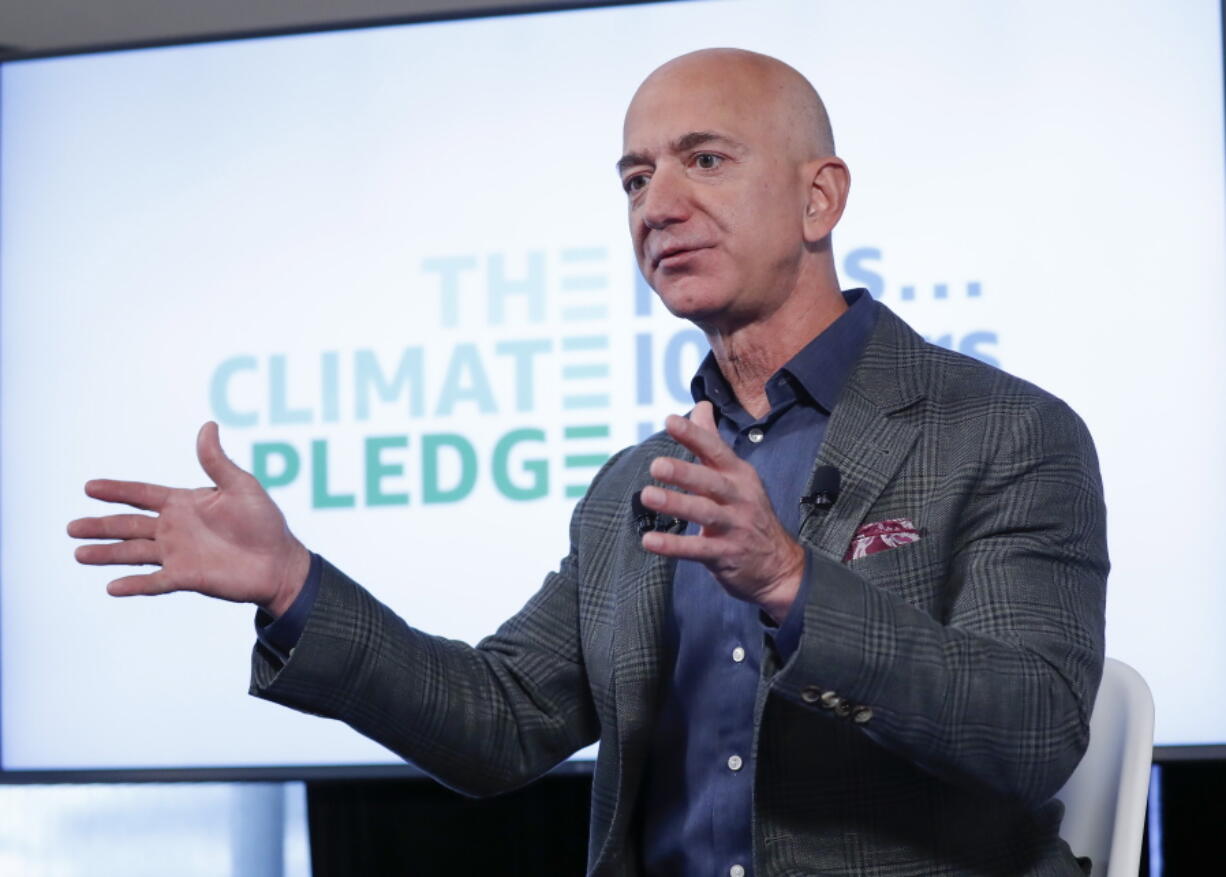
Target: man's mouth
675,253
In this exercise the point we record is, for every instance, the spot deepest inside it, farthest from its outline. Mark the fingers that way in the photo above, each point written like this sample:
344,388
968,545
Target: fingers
114,527
703,416
688,507
146,584
702,480
220,468
701,438
131,552
701,548
150,497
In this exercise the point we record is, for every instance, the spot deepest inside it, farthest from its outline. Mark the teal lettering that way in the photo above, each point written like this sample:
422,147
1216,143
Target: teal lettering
263,452
320,497
531,286
538,485
449,286
278,408
368,376
466,381
431,492
525,379
219,392
329,372
377,470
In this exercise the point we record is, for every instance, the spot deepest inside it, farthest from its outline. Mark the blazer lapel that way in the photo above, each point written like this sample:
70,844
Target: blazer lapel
866,439
642,605
641,610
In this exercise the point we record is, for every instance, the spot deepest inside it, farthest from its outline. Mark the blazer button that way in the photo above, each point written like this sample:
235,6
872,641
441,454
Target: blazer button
810,694
861,715
830,699
842,709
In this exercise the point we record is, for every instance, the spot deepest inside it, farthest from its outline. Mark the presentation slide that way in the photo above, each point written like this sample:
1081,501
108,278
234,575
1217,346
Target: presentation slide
393,264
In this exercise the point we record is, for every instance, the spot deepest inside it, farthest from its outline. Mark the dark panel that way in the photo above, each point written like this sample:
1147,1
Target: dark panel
416,827
1192,800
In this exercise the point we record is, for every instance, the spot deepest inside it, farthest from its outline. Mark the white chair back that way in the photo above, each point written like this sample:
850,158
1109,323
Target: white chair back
1104,799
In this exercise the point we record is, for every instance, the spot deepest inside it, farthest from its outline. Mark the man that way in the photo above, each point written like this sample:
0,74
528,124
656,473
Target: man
892,676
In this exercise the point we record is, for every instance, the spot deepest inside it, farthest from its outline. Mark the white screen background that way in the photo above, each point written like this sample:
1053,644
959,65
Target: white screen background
285,204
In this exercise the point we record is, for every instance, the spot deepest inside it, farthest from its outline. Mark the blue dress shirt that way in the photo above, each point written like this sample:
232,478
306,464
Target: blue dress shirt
698,798
698,802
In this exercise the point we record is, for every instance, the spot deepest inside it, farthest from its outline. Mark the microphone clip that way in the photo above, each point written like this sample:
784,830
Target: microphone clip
823,492
646,520
823,489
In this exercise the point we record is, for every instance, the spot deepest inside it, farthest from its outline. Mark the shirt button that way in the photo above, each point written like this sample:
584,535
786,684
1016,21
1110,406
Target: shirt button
738,654
755,435
734,762
736,871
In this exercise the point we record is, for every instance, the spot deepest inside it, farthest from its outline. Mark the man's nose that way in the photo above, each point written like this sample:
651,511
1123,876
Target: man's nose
665,201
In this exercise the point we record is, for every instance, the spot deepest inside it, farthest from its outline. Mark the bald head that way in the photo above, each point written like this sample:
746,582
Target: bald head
752,86
733,190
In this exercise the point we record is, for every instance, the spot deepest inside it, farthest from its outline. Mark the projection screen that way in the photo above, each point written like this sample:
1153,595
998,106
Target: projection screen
393,264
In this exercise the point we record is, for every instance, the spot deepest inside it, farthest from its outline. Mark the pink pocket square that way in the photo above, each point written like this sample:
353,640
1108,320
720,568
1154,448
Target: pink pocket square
872,538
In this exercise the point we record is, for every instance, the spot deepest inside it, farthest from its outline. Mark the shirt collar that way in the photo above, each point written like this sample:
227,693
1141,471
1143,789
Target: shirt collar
820,369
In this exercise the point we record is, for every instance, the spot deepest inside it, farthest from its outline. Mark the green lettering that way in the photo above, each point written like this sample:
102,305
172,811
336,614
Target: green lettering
263,452
431,492
538,469
320,497
377,470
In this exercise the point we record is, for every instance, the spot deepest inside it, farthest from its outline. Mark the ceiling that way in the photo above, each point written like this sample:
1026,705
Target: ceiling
53,25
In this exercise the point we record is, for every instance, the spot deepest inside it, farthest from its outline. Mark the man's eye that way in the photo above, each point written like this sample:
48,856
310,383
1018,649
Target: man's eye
634,183
707,160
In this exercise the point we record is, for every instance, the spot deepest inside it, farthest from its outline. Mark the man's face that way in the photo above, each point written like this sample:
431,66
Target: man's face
716,195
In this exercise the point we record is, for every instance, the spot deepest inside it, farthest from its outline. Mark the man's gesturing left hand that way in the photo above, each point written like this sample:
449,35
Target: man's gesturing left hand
229,541
741,540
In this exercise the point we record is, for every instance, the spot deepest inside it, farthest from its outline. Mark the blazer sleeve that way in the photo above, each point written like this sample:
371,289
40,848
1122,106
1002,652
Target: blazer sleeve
996,688
483,719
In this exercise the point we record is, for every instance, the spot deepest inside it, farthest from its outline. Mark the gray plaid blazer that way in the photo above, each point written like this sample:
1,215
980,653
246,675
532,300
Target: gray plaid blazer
976,650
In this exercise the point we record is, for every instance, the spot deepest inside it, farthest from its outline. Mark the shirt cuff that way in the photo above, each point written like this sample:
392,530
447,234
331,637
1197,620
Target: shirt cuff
280,635
787,635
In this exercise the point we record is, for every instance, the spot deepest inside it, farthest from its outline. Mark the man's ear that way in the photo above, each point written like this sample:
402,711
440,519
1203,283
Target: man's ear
828,182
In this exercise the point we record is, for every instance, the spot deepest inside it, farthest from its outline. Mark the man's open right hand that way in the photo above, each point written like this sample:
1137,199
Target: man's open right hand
229,541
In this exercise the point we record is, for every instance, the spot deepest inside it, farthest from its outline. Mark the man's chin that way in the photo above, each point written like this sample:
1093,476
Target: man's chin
691,301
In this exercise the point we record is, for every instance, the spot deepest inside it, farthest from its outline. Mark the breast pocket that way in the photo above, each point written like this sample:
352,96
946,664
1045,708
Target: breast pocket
916,572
